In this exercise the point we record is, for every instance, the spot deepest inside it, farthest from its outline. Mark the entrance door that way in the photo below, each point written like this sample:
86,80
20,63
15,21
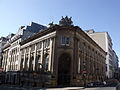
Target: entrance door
64,67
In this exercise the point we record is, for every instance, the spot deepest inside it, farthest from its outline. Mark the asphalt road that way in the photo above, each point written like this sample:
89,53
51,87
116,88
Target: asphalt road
67,88
101,88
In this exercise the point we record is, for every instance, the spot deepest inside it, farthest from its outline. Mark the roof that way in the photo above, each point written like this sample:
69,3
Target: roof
56,28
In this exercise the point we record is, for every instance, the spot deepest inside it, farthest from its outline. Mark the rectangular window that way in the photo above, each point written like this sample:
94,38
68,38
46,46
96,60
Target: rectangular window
65,40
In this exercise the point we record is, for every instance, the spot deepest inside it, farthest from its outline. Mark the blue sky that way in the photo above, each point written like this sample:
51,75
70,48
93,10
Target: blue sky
100,15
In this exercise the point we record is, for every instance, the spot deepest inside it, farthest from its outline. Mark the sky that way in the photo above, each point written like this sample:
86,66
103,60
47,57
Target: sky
100,15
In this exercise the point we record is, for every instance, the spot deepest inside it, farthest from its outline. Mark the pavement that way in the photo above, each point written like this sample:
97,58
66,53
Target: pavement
81,88
14,87
6,87
101,88
67,88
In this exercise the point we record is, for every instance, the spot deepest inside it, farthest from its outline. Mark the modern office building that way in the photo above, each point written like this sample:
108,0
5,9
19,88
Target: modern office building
104,40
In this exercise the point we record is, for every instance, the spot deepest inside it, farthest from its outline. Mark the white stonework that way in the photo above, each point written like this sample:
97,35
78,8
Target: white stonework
63,54
45,49
11,52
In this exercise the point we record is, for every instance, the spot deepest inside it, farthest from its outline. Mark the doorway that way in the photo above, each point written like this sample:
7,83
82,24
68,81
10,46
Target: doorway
64,70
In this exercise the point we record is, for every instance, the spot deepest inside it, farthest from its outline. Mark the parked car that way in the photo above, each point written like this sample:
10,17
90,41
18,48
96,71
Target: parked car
112,82
95,84
89,84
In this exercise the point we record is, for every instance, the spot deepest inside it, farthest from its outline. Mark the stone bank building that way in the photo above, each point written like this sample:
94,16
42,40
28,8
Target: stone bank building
60,55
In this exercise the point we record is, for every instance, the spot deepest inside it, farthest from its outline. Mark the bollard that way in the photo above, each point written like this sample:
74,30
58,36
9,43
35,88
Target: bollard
118,87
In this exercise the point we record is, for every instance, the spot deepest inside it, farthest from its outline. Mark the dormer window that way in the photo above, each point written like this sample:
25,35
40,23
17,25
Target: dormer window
65,41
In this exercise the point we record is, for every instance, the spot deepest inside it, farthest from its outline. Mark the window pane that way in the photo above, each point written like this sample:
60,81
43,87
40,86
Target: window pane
46,62
67,40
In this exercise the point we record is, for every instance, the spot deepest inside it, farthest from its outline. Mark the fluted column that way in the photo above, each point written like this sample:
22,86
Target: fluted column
7,61
11,61
53,49
24,60
50,56
3,61
42,52
19,58
29,58
35,52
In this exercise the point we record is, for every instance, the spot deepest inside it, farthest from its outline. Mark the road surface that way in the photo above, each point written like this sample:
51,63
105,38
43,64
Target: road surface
66,88
101,88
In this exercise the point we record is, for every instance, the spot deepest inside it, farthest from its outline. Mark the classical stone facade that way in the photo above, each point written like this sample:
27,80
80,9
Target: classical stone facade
11,51
68,53
3,41
59,55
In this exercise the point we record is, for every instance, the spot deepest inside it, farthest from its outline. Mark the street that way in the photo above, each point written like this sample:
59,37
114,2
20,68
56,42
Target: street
79,88
65,88
101,88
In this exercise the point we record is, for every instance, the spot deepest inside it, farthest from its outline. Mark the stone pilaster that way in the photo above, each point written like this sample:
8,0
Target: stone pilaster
24,60
29,55
35,54
53,49
50,55
42,53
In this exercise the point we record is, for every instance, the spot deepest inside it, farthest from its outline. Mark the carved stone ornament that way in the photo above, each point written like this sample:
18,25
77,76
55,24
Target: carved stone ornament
66,21
51,24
